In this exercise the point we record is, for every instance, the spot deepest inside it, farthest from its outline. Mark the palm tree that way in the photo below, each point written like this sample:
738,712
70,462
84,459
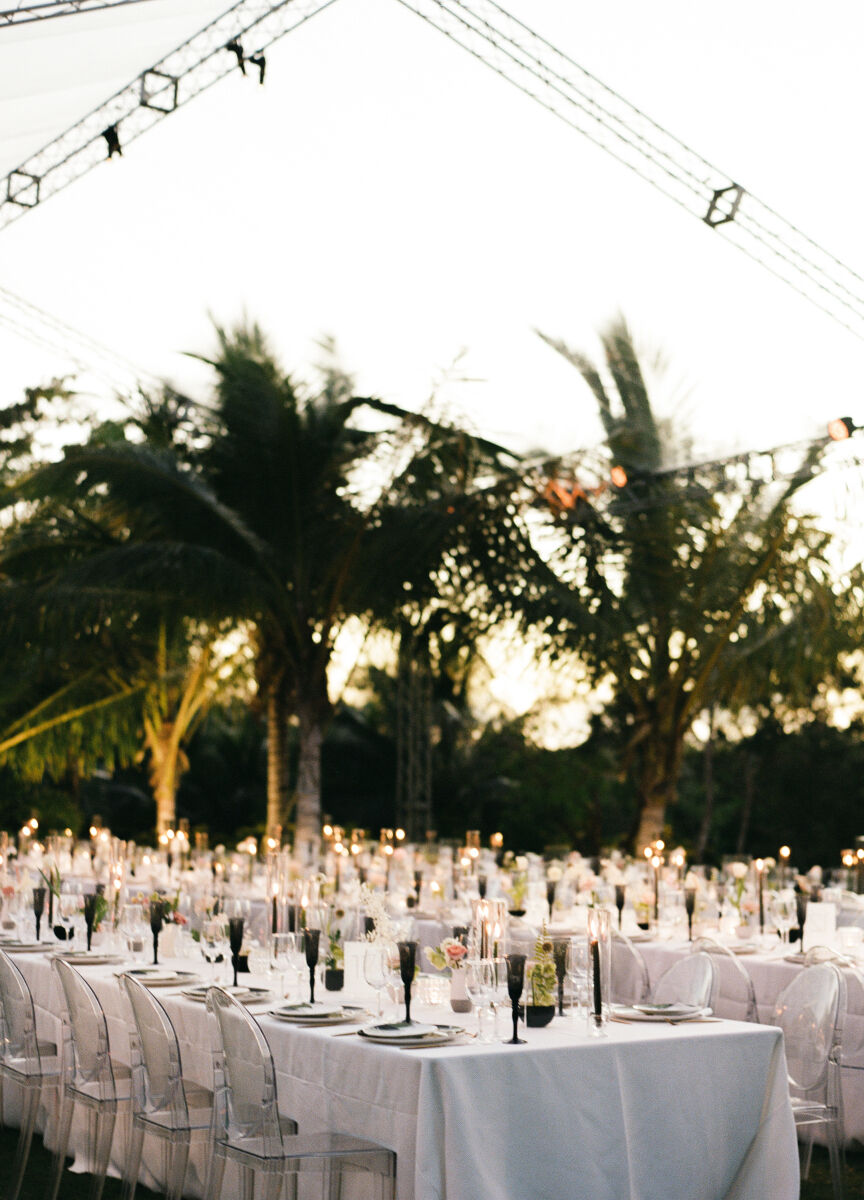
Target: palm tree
691,596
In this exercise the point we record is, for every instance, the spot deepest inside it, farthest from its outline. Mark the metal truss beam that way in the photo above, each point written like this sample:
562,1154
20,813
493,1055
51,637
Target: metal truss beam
530,63
154,94
23,13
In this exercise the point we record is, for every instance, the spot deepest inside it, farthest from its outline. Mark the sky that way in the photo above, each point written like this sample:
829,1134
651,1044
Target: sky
386,189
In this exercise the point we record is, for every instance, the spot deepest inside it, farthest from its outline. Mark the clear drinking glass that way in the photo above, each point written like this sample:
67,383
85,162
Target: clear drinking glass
283,958
134,929
478,985
377,969
215,945
577,973
783,912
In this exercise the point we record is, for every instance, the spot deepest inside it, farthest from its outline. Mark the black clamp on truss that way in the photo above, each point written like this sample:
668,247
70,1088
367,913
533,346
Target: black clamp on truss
724,205
159,91
23,189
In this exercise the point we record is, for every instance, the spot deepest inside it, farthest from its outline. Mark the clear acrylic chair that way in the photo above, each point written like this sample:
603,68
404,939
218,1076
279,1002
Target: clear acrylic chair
810,1012
691,980
90,1077
735,997
164,1104
248,1129
630,979
25,1060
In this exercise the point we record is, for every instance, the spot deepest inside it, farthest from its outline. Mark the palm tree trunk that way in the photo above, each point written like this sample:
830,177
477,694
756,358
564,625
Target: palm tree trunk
308,831
277,761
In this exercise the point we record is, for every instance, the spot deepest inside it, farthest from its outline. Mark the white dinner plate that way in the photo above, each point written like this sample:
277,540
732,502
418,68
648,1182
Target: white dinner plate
395,1030
676,1013
154,977
304,1014
246,995
438,1035
24,947
643,935
88,958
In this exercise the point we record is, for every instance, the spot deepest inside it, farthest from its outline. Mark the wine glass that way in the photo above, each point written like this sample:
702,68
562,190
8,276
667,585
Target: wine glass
132,929
157,920
620,897
215,945
283,956
235,941
376,968
39,894
478,985
311,946
515,984
783,913
407,967
559,950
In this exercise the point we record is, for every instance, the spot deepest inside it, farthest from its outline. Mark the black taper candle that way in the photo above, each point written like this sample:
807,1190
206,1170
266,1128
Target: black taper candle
595,971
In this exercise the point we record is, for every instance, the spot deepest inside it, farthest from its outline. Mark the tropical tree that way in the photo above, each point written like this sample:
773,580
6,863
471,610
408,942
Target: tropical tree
692,593
261,516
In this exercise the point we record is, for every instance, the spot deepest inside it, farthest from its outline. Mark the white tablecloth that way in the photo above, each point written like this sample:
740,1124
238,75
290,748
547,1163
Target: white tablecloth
771,973
650,1112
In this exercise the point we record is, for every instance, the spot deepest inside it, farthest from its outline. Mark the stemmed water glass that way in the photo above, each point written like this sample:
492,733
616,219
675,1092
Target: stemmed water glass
283,956
407,967
478,985
515,984
376,970
783,913
311,945
235,942
215,945
39,894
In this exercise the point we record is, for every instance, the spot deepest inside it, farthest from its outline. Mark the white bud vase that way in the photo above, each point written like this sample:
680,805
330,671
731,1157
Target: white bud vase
459,1001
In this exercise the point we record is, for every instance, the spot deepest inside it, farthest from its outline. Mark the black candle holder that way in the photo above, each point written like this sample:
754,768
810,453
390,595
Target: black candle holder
407,967
515,983
311,942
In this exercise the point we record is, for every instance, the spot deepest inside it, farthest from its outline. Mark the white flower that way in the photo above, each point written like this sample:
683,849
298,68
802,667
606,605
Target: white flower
692,880
521,862
738,870
554,873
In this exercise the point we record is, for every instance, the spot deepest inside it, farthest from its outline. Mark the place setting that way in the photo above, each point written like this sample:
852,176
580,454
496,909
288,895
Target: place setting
669,1014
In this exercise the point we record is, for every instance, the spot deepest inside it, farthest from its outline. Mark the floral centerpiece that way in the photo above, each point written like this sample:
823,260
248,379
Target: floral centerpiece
448,955
451,955
540,972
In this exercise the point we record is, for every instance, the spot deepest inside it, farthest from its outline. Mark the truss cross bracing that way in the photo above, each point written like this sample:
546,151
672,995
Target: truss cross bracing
22,14
488,32
154,94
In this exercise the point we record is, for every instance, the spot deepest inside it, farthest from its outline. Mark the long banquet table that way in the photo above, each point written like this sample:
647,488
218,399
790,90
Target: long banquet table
649,1112
771,971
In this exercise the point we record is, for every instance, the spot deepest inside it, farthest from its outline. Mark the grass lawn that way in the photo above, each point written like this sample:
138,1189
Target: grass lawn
76,1187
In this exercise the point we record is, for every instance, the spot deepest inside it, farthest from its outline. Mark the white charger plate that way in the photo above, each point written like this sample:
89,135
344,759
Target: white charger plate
676,1013
154,977
437,1035
88,958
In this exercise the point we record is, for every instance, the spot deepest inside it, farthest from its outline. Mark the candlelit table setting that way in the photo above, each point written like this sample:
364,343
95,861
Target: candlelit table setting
565,1112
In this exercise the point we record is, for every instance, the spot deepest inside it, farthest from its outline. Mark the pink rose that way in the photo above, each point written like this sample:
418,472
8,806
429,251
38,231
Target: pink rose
457,952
